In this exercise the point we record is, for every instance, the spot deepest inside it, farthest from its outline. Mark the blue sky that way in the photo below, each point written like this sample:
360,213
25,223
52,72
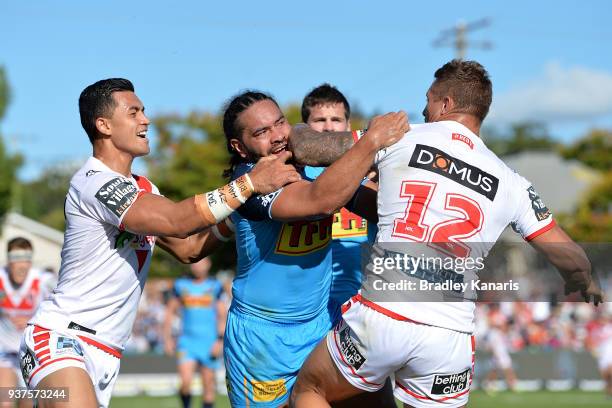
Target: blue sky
551,60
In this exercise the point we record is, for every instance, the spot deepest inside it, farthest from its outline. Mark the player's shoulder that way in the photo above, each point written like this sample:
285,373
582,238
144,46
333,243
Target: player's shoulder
242,168
144,184
94,176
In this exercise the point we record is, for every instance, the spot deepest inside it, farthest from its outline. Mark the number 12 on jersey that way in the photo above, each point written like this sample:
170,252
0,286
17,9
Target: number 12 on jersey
446,235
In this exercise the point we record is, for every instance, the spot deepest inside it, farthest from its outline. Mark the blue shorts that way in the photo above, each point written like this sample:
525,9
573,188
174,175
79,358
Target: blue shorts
198,350
262,358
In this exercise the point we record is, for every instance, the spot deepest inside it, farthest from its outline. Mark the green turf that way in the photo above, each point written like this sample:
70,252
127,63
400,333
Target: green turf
478,399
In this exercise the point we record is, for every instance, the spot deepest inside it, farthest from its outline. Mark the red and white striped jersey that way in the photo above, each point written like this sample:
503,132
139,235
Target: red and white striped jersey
20,302
441,186
104,267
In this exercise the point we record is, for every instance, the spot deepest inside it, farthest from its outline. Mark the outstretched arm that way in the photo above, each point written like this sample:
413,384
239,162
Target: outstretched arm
197,246
571,262
318,149
156,215
337,184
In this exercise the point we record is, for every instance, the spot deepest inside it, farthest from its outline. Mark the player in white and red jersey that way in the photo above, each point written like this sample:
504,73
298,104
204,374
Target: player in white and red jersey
599,343
442,187
112,220
22,288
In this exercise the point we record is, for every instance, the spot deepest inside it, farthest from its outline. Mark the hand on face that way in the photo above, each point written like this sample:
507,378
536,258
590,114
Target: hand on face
271,173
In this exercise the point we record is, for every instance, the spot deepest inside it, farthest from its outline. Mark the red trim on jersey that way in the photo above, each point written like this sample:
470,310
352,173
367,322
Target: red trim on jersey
41,336
386,312
103,347
540,231
355,136
144,184
51,362
40,356
38,329
350,366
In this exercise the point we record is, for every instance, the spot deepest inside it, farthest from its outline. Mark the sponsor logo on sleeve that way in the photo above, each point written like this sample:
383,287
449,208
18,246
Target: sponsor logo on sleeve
539,208
91,172
117,195
450,384
350,352
27,363
439,162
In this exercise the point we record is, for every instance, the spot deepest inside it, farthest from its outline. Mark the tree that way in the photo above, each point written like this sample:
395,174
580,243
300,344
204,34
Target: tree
189,159
521,137
594,149
592,220
8,163
43,199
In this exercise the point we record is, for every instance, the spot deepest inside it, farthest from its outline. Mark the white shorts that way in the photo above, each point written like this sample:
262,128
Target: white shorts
501,358
604,357
45,351
433,367
10,360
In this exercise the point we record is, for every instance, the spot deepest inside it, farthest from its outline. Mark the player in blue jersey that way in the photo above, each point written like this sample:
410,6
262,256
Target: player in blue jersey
281,289
325,109
203,316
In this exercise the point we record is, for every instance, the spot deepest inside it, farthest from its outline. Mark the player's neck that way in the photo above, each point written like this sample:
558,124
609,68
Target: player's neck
116,160
467,120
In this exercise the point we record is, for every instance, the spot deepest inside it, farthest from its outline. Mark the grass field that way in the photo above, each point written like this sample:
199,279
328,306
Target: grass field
478,399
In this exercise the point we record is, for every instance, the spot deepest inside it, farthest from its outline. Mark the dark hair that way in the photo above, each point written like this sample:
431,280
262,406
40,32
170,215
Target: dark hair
324,94
468,84
97,101
231,125
18,243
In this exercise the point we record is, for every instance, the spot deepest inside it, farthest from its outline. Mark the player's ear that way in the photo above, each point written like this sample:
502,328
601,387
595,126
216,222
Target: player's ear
447,105
104,127
348,125
239,147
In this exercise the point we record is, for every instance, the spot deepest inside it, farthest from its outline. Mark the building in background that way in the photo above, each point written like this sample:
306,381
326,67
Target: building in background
47,241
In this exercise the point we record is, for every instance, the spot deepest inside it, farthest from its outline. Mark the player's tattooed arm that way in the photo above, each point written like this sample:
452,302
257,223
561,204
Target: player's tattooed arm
318,149
571,262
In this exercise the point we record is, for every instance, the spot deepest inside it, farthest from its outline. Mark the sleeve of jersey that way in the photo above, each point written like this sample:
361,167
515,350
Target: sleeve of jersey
108,197
219,291
256,208
175,290
532,217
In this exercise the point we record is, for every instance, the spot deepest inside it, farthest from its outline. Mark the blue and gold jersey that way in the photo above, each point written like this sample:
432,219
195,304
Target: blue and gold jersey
284,268
349,233
199,306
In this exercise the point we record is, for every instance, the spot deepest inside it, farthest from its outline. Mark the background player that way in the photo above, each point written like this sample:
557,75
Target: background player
113,217
325,109
280,307
22,288
423,189
497,343
599,343
203,314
